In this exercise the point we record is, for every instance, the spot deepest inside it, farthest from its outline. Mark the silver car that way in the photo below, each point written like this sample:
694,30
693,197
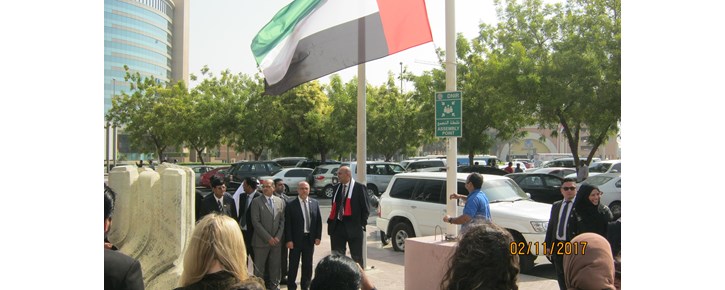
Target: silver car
378,175
291,177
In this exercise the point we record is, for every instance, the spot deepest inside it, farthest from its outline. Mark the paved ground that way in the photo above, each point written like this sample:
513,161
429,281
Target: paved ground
386,267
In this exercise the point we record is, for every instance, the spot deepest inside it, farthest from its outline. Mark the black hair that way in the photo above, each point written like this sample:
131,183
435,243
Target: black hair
569,179
215,181
277,180
476,179
109,197
336,272
251,181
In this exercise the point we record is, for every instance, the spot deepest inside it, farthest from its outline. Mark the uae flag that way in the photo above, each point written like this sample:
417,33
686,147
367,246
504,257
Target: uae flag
309,39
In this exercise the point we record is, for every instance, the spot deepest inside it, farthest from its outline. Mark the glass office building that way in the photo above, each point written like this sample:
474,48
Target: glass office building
148,36
151,37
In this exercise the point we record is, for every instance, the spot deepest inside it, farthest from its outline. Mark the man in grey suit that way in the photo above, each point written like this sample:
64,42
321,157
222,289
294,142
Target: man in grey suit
268,220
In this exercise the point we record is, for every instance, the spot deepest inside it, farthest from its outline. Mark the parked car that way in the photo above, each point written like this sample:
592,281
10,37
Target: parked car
566,162
378,176
611,185
426,165
542,187
415,203
529,164
481,169
240,170
312,164
291,176
198,171
219,172
288,161
558,171
321,181
607,166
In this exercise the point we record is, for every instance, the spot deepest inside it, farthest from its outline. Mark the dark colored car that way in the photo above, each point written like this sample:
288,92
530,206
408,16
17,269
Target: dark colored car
312,164
542,187
481,169
240,170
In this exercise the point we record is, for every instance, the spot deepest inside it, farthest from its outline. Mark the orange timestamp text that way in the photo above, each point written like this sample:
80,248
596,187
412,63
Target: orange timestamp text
553,248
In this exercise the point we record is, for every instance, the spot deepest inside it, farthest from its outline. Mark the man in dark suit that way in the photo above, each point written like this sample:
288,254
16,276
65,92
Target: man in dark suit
561,228
121,271
219,201
349,216
303,231
268,220
244,196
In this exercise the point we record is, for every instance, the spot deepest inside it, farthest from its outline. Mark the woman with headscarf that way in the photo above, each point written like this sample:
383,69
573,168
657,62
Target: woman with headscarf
591,215
592,267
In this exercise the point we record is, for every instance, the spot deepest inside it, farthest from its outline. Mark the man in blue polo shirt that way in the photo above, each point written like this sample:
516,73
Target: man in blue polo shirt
476,203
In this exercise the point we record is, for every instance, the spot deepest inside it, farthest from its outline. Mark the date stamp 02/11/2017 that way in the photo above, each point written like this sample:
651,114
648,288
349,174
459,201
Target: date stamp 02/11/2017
554,248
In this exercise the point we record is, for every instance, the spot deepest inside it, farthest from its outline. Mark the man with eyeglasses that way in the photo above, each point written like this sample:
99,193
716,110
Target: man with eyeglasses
476,203
562,228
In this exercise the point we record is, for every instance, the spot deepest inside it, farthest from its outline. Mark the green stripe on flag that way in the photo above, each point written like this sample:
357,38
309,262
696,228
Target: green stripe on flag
281,25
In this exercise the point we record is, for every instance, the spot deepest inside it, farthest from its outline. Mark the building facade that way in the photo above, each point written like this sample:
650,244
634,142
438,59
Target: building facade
151,37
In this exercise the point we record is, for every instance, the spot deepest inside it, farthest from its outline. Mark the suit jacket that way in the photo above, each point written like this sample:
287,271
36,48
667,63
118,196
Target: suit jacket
210,205
245,215
267,224
570,231
294,221
355,223
121,272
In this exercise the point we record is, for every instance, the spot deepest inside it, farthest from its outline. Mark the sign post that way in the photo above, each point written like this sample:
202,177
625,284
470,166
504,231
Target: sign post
448,114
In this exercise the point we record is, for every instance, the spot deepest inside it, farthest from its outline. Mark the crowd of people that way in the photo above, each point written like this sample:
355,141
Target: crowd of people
268,229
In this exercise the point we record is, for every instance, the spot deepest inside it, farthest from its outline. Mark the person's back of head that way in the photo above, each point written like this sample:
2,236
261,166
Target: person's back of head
511,164
216,239
593,268
482,260
476,179
109,199
336,272
252,182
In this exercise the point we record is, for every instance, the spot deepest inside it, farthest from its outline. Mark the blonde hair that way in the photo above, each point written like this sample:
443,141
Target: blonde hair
215,237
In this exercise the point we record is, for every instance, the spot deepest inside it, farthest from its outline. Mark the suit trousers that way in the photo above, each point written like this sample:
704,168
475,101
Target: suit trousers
248,244
266,264
306,250
558,261
339,238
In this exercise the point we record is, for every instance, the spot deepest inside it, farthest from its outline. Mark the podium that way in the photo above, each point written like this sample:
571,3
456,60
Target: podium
426,261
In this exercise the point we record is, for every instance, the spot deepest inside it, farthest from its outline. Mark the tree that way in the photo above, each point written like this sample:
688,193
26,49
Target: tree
343,118
149,112
306,123
391,121
567,62
253,126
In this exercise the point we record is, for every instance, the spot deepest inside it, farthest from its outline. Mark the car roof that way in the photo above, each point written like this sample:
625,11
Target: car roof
443,175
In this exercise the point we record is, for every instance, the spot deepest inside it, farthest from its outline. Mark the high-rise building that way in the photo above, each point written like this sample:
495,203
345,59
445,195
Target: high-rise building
150,37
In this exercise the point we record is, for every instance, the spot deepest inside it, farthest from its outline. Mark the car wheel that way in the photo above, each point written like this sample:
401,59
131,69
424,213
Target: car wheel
286,189
373,190
616,208
526,261
327,192
401,231
384,238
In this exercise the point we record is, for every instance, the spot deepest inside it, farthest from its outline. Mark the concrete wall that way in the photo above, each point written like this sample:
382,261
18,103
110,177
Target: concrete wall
153,219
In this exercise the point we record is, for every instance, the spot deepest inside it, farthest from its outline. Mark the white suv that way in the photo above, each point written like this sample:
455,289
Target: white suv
415,204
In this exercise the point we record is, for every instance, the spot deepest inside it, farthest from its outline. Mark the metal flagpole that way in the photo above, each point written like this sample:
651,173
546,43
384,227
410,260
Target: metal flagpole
451,160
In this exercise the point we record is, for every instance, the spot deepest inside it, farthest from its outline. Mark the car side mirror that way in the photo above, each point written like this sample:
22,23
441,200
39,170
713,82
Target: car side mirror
528,195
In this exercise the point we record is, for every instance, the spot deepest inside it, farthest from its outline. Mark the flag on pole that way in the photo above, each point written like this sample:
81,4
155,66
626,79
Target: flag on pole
309,39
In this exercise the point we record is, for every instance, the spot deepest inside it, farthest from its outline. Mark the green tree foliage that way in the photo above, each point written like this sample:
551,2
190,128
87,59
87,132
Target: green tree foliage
148,112
566,59
254,126
391,121
343,118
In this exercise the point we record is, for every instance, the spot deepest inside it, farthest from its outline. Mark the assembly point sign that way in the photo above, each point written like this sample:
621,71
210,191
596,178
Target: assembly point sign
448,114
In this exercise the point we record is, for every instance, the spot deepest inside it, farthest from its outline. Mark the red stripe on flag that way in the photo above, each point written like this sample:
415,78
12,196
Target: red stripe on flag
405,23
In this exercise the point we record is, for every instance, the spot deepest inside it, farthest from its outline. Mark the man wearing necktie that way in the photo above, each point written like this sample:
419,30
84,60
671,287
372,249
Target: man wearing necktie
303,231
219,201
349,216
562,227
267,213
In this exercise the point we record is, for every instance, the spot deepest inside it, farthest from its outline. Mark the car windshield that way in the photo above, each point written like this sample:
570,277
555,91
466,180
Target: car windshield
600,167
598,180
503,190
